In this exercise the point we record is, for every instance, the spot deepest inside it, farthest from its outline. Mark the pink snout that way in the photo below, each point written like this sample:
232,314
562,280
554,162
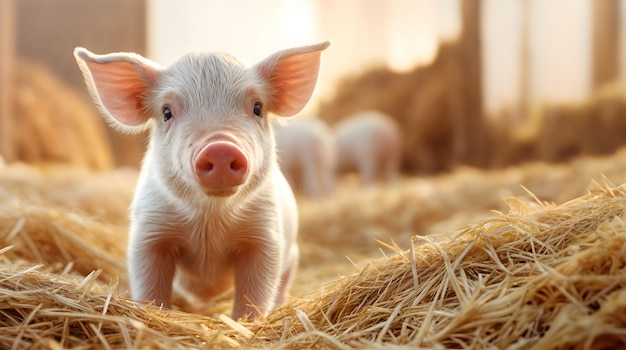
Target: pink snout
221,165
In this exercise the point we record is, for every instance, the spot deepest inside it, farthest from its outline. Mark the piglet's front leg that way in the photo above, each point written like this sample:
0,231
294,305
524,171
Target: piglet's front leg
257,279
151,268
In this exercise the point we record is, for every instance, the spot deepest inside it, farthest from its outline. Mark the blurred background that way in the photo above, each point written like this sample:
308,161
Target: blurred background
481,83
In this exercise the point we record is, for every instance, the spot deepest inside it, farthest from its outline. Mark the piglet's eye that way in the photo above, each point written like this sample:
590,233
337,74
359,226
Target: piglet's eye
167,113
258,109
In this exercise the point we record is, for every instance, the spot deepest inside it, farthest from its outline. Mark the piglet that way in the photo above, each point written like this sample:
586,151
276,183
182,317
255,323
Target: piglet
306,155
369,142
211,209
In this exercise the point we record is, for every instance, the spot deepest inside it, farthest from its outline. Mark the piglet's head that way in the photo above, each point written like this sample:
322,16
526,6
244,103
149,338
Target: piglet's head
209,114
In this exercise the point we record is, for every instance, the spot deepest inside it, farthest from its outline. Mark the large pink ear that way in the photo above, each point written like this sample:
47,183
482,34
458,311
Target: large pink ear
119,84
291,75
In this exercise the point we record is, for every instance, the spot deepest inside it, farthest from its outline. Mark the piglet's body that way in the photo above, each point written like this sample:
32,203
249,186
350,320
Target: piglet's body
212,209
306,154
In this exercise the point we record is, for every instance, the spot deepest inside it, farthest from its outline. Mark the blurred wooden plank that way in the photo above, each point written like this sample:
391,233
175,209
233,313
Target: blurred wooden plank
470,146
605,41
525,68
7,67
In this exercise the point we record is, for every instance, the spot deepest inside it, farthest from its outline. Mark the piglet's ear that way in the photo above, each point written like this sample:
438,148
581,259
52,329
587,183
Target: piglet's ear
119,84
291,75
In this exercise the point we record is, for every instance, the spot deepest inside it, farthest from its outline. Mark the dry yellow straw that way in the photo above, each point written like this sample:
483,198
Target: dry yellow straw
549,277
541,276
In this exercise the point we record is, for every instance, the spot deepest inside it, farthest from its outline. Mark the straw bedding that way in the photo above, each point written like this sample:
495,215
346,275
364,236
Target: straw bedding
533,274
537,276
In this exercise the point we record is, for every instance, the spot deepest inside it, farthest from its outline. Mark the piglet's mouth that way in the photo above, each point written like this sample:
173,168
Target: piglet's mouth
221,192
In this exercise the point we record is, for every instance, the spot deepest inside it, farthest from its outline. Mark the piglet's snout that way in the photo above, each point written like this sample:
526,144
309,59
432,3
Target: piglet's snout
220,165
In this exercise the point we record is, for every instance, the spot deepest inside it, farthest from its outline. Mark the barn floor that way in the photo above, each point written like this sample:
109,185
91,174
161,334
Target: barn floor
366,277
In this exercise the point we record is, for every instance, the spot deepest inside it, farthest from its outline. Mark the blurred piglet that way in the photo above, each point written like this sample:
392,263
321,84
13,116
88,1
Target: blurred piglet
369,142
306,154
211,209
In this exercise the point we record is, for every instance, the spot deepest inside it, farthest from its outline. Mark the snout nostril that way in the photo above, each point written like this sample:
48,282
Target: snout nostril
205,166
238,165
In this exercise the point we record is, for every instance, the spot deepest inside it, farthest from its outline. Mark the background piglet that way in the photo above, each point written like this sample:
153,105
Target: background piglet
211,209
369,142
306,154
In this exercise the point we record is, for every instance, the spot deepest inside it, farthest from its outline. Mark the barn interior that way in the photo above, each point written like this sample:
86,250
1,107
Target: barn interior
503,229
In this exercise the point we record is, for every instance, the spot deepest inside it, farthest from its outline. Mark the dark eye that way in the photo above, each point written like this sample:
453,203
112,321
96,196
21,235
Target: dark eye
258,109
167,114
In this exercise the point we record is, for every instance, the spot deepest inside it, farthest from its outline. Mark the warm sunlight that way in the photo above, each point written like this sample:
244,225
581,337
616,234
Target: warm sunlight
401,35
